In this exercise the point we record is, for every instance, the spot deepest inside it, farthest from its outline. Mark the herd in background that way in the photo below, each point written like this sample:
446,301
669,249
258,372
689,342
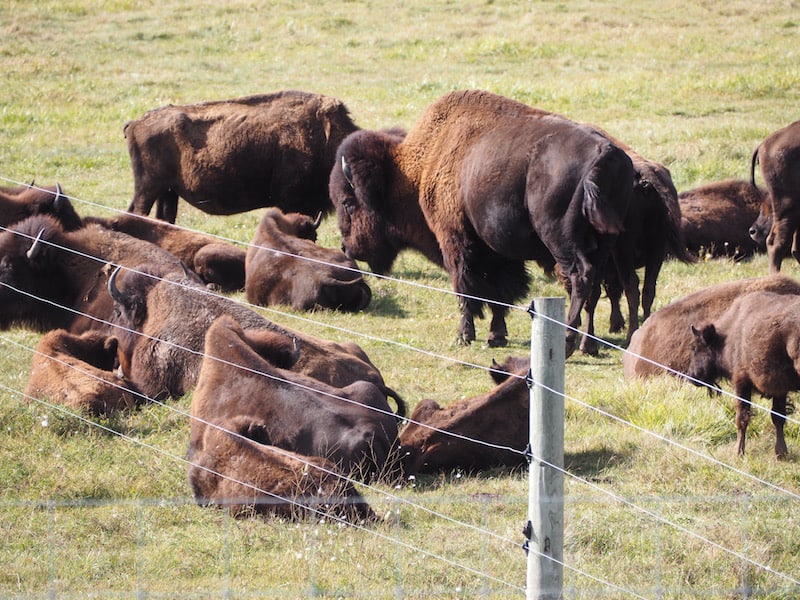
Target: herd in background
134,308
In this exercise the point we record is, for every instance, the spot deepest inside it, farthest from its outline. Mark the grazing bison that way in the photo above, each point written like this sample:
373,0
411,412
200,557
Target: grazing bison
162,322
756,345
79,371
717,218
20,202
480,185
441,438
237,155
779,157
219,264
51,278
664,340
246,477
282,268
241,387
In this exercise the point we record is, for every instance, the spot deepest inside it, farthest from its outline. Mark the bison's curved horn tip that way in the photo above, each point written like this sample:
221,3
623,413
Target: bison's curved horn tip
36,246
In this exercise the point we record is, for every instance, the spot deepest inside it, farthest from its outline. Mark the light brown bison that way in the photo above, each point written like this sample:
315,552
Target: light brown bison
242,385
218,263
717,218
237,155
755,344
665,339
487,430
480,185
79,371
284,268
231,471
779,157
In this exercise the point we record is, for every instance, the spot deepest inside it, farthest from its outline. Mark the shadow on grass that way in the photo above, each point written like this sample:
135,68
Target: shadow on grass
386,306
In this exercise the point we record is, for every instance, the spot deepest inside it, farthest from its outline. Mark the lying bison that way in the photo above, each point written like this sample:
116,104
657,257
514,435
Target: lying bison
218,263
663,342
243,387
717,218
231,471
779,157
161,319
480,185
487,430
237,155
20,202
283,267
756,345
79,371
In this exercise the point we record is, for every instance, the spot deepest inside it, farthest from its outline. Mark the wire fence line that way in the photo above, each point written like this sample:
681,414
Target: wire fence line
589,484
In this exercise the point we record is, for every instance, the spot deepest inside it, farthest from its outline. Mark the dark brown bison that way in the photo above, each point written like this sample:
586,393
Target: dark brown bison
219,264
237,155
79,371
162,319
756,345
716,218
51,278
229,470
487,430
20,202
480,185
663,342
779,157
240,386
282,268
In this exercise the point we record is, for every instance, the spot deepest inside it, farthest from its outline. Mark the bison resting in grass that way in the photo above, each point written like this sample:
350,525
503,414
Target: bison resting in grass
665,339
440,437
283,267
717,218
19,203
779,156
237,155
756,345
480,185
79,371
229,470
219,264
243,387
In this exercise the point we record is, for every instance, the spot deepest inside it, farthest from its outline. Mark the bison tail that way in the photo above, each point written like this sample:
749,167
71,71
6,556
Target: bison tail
753,163
598,210
401,404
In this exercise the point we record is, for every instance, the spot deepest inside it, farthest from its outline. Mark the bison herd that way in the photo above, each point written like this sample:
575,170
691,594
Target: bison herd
135,309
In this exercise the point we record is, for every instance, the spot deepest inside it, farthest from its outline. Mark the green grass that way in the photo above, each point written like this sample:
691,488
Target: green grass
85,512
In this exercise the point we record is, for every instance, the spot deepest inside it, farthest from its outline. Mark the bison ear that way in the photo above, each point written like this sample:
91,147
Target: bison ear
348,174
705,333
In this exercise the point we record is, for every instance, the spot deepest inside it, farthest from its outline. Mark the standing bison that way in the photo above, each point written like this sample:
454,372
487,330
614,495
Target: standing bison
756,345
779,156
717,218
480,185
283,266
237,155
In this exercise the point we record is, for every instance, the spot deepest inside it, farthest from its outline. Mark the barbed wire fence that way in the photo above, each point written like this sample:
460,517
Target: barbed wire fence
592,494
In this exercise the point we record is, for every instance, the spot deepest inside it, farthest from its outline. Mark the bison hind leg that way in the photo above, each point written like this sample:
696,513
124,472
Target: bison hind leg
779,411
498,332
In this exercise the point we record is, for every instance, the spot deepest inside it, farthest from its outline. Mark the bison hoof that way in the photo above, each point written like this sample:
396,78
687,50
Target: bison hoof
463,340
616,325
589,346
499,341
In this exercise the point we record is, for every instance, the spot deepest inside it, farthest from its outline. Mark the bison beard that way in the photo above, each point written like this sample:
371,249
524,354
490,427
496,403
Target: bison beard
480,185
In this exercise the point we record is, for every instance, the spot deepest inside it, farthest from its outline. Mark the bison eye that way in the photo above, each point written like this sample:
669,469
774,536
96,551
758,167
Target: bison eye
349,206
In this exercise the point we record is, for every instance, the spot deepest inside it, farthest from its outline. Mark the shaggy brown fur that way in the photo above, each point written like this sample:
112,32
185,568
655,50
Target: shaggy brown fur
316,279
237,155
779,156
756,345
666,337
79,372
716,218
19,203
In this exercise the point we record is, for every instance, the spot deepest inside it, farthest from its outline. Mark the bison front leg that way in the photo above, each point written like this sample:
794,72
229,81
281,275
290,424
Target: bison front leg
466,329
498,332
779,243
743,414
778,420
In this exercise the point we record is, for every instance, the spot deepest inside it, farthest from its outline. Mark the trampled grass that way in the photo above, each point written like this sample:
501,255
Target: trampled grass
87,512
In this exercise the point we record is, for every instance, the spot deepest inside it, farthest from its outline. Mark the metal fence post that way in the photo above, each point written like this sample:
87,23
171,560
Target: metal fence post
545,527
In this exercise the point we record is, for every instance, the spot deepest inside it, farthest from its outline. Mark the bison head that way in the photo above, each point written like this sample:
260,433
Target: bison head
360,181
705,348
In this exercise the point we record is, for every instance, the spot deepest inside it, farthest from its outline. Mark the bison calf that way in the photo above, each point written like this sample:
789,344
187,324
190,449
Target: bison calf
79,372
756,345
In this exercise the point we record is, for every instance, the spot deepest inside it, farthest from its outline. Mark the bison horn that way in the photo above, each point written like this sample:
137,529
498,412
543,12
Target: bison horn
36,246
348,174
317,221
59,199
113,290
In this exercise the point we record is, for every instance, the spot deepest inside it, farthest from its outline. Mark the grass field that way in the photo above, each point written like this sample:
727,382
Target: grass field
658,504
